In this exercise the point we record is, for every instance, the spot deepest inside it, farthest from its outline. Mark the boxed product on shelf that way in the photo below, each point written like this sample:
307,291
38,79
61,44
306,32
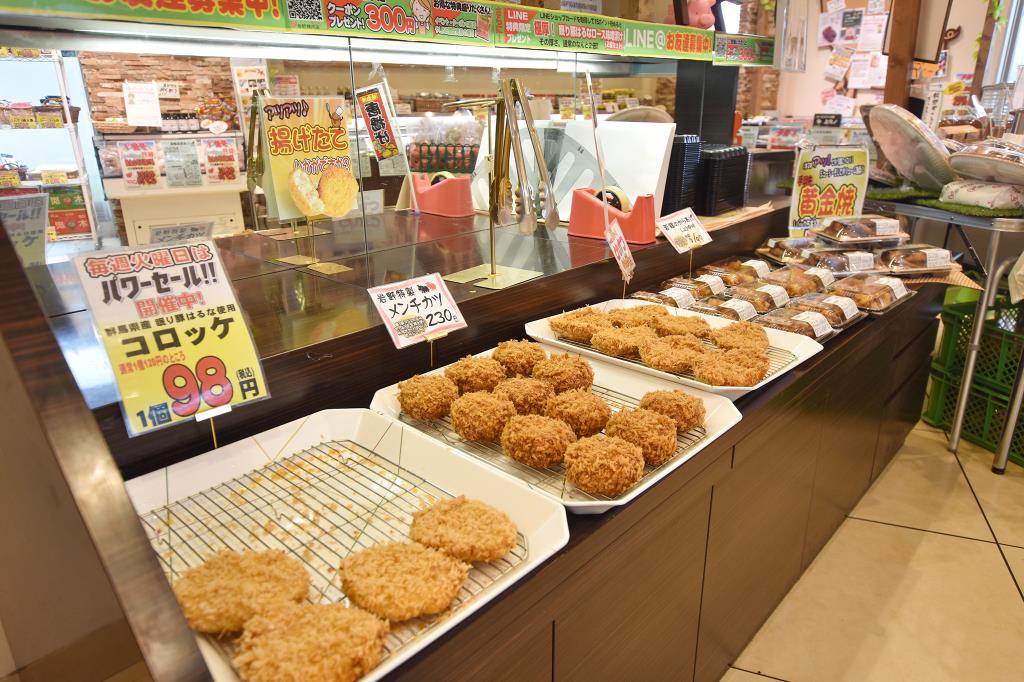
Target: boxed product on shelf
763,295
701,287
840,311
872,292
787,250
843,260
734,271
811,324
914,258
676,297
864,228
69,222
799,279
66,198
730,308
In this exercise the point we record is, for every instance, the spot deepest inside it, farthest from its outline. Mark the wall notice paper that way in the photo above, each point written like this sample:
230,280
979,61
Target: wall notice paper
860,71
850,30
830,183
142,104
876,7
829,26
841,104
620,249
138,164
24,218
836,5
872,33
181,163
175,335
417,309
838,64
683,230
221,160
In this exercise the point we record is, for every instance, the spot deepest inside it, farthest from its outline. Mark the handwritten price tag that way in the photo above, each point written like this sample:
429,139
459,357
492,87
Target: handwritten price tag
620,249
683,230
417,309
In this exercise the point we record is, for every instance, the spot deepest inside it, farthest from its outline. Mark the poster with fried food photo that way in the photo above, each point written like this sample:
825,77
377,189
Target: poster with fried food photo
308,169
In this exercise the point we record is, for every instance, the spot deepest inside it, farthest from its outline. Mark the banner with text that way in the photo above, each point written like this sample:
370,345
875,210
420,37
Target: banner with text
519,26
830,182
667,41
440,21
259,14
740,50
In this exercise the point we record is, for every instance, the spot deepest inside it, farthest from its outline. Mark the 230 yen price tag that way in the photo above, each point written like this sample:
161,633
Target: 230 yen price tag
683,230
416,309
175,335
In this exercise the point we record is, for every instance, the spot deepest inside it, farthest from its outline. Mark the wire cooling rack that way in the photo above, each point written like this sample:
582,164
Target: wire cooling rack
551,480
319,506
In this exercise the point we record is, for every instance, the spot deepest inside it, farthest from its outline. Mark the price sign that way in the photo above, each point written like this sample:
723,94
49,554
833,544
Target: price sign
176,234
417,309
683,230
10,178
620,249
53,177
174,333
24,218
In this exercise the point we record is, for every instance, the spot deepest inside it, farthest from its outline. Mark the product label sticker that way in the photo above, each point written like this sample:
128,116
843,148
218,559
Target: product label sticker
778,294
373,105
683,230
221,160
936,258
824,274
417,309
620,249
682,297
743,308
760,267
886,226
138,164
847,305
860,260
899,290
817,321
714,282
805,253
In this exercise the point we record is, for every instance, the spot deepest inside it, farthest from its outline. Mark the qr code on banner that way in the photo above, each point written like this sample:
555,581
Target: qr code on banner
305,10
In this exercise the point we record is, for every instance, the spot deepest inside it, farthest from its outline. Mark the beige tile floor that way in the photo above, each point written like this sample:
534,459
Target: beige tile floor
921,582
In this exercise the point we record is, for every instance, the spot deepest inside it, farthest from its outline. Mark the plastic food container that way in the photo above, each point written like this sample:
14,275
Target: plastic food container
865,228
701,287
843,260
799,279
872,292
764,296
811,324
731,308
676,297
915,258
838,310
787,250
735,271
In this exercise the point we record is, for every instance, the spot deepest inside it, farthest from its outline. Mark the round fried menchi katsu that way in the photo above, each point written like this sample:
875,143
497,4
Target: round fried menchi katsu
603,465
565,372
731,368
743,335
584,412
468,530
622,342
654,433
639,316
427,397
675,354
475,374
530,396
310,642
230,587
536,441
579,325
399,581
677,325
519,357
686,410
481,416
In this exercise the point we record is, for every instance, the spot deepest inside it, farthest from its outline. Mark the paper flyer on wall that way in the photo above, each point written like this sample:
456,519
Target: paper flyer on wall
838,64
872,33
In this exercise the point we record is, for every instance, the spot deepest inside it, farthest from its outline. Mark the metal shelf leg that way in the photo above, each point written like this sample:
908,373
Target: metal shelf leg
1003,453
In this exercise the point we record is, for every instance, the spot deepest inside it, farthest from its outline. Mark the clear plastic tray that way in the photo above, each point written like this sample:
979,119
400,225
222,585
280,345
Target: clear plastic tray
916,258
844,261
700,289
799,279
764,296
786,250
811,324
866,227
735,271
840,311
873,293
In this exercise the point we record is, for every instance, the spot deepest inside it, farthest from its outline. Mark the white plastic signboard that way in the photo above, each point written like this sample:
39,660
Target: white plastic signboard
683,230
417,309
24,218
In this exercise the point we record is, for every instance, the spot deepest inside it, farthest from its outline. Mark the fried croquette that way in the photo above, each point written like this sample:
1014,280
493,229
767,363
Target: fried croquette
338,189
653,432
310,642
304,193
519,357
468,530
536,441
602,465
230,587
427,397
686,410
475,374
621,342
481,415
584,412
399,581
640,316
731,368
579,325
744,335
565,372
674,354
678,325
530,396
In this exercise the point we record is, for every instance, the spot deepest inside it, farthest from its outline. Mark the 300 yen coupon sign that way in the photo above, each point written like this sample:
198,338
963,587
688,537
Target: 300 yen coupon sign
417,309
174,333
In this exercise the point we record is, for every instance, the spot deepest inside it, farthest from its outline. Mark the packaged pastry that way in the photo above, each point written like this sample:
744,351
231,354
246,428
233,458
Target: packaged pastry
843,260
838,310
914,258
789,250
871,292
867,227
674,296
700,287
799,279
734,271
764,296
808,323
730,308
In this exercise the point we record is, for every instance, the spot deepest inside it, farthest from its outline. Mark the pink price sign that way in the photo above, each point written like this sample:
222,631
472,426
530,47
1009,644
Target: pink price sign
417,309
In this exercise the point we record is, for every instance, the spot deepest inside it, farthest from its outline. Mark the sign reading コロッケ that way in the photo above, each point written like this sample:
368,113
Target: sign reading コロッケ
417,309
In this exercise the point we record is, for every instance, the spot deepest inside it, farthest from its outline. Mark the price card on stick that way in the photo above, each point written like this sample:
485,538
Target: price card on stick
174,332
417,309
683,230
620,249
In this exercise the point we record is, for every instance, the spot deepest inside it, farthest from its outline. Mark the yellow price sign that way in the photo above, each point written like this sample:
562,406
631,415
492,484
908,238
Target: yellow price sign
954,88
10,178
54,177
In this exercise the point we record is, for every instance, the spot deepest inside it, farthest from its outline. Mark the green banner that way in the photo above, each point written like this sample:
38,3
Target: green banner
519,26
740,50
436,21
255,14
667,41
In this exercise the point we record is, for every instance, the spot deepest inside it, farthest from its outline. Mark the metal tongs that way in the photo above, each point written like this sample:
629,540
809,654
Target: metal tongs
549,211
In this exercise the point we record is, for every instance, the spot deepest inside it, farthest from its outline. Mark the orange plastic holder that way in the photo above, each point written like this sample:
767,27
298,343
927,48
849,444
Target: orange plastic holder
451,198
586,219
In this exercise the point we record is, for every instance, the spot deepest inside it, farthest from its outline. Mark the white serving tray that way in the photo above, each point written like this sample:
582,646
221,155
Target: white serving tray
619,386
787,350
406,472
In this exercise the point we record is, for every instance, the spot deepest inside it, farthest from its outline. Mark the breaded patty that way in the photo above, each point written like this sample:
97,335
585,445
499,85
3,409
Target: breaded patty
519,357
653,432
229,588
427,397
468,530
565,372
603,466
399,581
475,374
731,368
480,415
676,325
310,642
743,335
584,412
530,396
686,410
640,316
622,342
674,354
536,441
579,325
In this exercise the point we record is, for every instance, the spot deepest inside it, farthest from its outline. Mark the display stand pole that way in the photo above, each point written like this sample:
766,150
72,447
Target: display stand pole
430,344
213,432
624,288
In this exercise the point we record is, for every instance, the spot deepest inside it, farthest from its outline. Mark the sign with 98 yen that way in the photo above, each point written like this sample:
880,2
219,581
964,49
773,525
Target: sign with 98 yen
417,309
175,335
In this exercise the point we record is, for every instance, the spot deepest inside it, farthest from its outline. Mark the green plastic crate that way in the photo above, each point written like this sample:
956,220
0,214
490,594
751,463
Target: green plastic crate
983,419
1000,349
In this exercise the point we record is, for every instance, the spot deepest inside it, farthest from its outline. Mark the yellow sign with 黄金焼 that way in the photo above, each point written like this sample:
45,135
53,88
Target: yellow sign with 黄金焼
830,182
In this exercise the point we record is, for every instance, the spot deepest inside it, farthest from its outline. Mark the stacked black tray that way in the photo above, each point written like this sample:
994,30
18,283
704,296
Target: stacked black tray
681,182
721,179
